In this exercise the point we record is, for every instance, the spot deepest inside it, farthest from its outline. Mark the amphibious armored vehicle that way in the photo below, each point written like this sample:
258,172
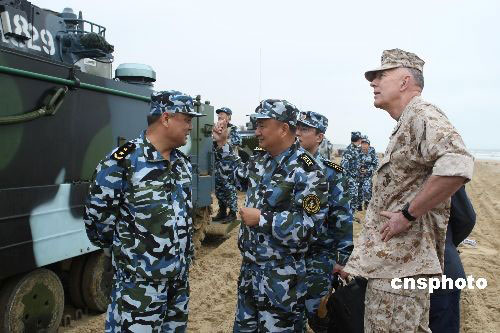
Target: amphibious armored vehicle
61,111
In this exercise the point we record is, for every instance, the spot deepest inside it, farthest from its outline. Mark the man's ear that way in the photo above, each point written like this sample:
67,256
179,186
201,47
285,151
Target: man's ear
320,137
165,118
405,82
285,128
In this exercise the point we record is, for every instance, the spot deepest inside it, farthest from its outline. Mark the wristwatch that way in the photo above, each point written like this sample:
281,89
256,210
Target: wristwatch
407,214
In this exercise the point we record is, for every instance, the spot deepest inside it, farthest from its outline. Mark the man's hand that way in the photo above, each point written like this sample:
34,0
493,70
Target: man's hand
250,216
397,224
220,133
340,269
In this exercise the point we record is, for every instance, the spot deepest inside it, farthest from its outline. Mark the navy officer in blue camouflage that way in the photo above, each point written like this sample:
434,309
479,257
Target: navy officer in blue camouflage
351,166
225,192
286,195
140,210
330,251
368,161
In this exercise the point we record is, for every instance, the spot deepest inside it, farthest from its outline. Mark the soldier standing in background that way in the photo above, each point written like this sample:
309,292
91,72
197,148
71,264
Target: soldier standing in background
286,198
140,209
326,149
225,191
351,166
368,165
330,251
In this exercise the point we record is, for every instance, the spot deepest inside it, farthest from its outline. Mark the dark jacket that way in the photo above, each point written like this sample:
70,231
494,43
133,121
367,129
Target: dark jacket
460,225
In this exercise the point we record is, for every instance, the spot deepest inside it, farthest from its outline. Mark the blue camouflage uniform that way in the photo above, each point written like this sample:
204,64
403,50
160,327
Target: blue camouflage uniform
326,149
140,209
350,164
290,190
334,242
225,192
368,163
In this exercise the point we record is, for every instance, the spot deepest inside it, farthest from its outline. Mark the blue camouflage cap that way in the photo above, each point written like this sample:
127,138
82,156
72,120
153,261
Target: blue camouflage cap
278,109
364,138
355,136
313,119
225,110
172,101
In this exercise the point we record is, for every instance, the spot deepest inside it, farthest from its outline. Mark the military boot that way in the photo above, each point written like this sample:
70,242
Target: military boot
221,215
230,217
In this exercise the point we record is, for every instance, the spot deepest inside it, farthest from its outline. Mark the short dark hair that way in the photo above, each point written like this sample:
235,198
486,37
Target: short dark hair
153,119
418,76
293,128
318,131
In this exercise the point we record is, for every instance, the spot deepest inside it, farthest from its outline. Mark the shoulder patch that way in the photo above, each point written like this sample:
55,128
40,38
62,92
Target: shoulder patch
308,162
334,166
123,151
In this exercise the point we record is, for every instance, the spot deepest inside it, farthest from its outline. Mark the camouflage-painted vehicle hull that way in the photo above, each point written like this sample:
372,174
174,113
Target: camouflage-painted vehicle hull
46,163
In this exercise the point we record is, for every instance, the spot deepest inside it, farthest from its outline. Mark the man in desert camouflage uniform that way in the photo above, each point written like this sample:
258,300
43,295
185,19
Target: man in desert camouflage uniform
140,210
225,192
286,194
334,244
350,164
368,163
405,227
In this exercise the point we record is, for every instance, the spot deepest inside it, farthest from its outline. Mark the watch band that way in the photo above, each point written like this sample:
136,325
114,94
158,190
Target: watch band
407,214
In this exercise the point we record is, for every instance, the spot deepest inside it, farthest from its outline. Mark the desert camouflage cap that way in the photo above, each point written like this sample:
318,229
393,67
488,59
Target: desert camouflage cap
313,119
396,58
172,101
355,136
225,110
278,109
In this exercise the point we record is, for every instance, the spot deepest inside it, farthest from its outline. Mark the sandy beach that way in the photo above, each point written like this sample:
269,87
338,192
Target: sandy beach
215,273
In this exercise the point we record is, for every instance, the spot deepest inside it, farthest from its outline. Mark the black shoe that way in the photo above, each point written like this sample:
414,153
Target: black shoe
221,215
230,217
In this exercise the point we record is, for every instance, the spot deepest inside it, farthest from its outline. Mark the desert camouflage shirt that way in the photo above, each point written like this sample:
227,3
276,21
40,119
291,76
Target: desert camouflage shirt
291,192
140,206
423,143
335,233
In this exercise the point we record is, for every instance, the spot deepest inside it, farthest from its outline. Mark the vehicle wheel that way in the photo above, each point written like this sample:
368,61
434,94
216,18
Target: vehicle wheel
32,302
75,282
97,281
202,218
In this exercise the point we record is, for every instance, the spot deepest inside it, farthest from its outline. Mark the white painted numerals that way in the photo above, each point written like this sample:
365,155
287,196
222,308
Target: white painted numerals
48,42
34,37
21,27
5,27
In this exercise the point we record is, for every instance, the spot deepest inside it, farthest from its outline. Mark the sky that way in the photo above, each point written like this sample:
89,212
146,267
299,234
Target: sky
313,54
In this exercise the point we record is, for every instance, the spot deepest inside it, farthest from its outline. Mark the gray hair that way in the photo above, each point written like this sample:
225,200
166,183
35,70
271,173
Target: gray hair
418,76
